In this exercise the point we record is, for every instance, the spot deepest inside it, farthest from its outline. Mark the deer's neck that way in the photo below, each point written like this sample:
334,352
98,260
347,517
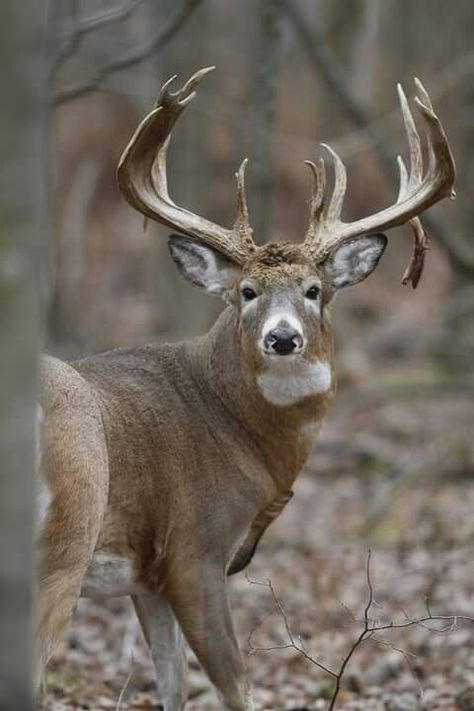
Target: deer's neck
284,434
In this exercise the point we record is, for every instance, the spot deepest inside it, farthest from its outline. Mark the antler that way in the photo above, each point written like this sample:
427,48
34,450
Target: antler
141,176
417,191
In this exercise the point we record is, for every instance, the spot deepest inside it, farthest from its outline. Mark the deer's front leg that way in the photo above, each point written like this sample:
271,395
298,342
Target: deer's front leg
166,644
198,597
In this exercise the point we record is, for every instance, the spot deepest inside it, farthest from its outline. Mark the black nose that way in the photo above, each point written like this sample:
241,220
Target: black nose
283,341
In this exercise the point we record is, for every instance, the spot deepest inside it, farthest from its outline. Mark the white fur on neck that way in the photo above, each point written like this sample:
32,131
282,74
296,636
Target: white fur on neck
285,383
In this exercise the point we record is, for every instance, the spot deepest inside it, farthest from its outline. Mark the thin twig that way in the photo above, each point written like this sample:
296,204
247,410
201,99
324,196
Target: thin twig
95,22
369,631
70,44
127,681
406,656
298,647
84,26
129,638
130,58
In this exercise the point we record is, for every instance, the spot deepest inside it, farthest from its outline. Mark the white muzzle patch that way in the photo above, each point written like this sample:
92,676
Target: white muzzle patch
278,320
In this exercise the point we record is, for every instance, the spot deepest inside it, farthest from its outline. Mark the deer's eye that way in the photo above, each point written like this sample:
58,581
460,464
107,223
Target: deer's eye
248,294
313,292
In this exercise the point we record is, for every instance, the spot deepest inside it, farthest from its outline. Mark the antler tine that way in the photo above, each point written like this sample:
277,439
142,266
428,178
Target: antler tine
142,176
424,96
196,78
318,173
414,143
334,208
403,178
164,91
316,202
323,218
242,224
425,99
441,158
418,190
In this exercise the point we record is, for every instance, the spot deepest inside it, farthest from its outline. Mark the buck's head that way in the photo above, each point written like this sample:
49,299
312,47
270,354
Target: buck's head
281,291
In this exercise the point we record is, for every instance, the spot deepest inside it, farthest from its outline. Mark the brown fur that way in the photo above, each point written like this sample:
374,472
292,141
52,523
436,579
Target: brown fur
75,461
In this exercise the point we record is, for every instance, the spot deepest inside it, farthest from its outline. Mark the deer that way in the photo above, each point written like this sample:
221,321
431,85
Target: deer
162,465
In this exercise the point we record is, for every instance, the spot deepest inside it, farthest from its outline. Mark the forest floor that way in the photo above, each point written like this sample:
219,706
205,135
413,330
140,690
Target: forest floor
395,478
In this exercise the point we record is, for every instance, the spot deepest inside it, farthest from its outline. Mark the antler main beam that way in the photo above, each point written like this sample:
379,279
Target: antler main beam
419,189
142,177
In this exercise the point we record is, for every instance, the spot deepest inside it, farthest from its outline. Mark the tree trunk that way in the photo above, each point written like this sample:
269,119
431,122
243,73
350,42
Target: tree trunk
264,109
22,253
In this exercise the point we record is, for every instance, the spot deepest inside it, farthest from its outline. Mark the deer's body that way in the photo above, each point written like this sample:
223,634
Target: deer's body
184,476
161,466
178,457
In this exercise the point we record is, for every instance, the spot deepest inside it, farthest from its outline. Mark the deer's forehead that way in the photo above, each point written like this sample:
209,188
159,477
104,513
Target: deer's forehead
279,264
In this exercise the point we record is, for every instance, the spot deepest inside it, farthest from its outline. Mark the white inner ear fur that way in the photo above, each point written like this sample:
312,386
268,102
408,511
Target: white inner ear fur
202,266
216,278
208,274
287,383
353,261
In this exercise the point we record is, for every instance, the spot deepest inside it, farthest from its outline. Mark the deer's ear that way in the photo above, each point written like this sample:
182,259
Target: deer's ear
203,266
354,261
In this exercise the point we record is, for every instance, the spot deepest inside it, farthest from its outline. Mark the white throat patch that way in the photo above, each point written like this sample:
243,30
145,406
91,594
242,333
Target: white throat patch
287,383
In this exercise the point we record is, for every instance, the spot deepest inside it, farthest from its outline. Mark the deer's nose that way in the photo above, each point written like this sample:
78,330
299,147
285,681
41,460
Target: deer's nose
283,341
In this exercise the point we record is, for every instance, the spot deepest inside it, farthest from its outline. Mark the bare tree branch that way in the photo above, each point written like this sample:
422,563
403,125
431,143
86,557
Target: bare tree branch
334,76
122,12
82,27
69,45
297,646
132,57
125,686
369,632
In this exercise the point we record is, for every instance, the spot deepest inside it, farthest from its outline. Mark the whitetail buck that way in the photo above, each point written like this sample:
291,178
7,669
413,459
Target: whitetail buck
162,465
